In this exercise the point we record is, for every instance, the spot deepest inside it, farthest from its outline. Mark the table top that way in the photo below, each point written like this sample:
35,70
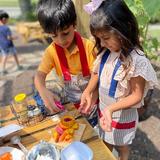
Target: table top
31,135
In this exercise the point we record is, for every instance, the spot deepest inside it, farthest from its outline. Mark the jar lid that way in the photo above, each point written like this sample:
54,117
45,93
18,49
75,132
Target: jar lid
20,97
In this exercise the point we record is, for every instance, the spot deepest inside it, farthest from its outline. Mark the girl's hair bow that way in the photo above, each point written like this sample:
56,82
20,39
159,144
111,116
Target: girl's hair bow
92,6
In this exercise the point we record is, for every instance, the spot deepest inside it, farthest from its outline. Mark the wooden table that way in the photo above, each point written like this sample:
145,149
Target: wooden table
30,136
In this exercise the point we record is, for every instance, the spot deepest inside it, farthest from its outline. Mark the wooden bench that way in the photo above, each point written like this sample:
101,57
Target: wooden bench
31,31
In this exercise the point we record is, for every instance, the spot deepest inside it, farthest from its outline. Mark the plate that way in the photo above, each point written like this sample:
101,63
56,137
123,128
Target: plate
16,153
76,137
12,128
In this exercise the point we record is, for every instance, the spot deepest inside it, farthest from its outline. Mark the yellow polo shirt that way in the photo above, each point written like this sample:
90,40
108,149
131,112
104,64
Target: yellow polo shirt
50,59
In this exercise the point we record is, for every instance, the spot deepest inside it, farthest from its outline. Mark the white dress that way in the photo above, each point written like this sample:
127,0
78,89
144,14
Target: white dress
124,122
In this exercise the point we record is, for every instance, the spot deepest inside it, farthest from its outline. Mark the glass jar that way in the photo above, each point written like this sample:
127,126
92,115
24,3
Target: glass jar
20,106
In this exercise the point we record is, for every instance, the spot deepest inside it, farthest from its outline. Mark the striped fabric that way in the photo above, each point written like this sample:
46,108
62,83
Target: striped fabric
75,87
118,136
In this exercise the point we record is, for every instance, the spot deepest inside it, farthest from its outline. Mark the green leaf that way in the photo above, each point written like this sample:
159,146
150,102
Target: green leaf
155,43
144,10
152,7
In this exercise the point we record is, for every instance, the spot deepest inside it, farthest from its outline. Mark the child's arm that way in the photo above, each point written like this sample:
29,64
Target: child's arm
47,96
90,94
12,37
137,89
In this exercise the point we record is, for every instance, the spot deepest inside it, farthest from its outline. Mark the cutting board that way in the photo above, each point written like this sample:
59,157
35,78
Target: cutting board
76,137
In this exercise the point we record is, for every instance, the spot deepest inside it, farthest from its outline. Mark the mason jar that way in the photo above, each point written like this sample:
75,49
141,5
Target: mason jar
20,106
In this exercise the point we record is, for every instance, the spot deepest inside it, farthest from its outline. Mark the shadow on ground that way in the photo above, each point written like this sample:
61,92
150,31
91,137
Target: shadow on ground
152,106
143,149
20,84
30,48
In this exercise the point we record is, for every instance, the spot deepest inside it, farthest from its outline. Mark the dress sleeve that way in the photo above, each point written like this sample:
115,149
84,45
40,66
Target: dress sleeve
142,67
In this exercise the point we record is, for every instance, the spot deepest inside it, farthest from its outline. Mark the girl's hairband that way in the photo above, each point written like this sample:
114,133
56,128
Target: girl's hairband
92,6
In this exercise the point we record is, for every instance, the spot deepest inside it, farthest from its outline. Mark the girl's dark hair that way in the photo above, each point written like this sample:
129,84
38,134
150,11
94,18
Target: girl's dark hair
55,15
115,16
3,14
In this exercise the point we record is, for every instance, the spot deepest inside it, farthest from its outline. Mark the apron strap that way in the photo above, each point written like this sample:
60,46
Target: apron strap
83,58
63,59
103,61
113,86
63,63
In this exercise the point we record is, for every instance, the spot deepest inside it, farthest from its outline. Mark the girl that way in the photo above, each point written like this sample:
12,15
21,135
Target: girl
122,72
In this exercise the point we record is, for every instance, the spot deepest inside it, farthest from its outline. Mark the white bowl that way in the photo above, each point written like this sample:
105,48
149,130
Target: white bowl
43,151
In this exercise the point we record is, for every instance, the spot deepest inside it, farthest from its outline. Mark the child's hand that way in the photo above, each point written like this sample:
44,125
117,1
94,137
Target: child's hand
48,98
15,37
106,120
85,104
12,37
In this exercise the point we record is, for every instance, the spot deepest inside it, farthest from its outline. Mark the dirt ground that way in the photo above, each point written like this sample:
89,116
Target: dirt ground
146,145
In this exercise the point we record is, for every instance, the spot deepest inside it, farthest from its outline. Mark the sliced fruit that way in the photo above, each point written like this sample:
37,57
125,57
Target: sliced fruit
62,126
68,137
59,129
68,121
70,131
62,137
55,136
6,156
75,126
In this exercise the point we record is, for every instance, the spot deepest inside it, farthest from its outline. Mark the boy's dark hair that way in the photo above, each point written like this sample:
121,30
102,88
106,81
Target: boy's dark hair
114,15
3,14
55,15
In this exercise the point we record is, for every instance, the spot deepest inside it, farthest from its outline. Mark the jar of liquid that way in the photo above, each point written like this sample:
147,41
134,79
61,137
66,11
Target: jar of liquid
20,106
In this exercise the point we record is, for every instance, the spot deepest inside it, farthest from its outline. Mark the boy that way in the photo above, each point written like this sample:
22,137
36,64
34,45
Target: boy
6,44
70,55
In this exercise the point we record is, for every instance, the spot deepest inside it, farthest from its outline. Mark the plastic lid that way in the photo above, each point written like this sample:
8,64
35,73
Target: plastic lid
77,151
20,97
